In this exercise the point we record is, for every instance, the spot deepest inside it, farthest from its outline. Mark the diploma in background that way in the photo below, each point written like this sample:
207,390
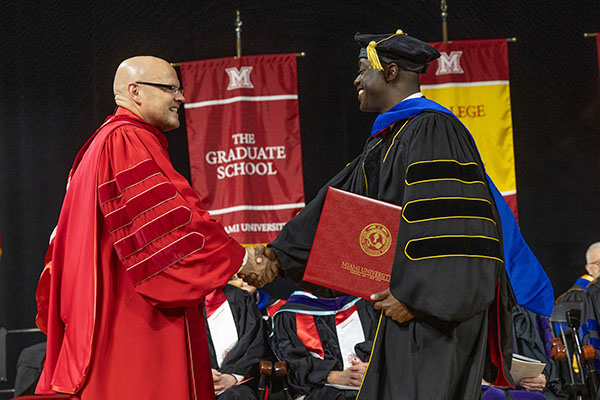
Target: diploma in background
525,367
354,246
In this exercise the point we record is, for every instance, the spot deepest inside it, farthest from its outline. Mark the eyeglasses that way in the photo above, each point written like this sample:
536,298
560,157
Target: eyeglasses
597,262
171,88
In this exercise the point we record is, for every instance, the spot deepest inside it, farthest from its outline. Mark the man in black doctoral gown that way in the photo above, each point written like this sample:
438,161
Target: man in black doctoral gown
448,288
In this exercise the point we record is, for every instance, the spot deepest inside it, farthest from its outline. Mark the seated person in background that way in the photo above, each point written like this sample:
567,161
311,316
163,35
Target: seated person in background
237,342
577,292
261,297
267,304
326,342
589,330
532,338
584,295
29,369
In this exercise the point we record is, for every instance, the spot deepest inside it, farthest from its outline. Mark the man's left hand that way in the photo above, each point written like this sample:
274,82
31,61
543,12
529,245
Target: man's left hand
391,306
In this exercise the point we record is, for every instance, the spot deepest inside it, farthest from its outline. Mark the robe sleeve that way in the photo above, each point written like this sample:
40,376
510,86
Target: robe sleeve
174,254
251,347
295,240
449,248
306,371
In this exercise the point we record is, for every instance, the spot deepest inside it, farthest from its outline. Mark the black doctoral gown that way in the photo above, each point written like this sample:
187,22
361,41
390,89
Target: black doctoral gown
448,267
251,348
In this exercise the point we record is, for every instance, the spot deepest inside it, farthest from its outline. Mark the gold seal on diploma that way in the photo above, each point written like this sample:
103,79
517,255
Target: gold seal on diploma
375,239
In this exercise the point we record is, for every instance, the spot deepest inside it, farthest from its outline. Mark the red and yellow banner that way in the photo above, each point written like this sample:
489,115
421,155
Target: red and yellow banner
471,79
244,142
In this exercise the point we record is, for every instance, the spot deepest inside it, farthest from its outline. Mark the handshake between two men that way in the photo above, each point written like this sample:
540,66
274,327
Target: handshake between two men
262,266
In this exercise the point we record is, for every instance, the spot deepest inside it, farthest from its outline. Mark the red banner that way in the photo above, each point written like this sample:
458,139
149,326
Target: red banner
471,79
244,142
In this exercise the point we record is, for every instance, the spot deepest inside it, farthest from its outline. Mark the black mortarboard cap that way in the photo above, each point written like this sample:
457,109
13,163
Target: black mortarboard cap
407,52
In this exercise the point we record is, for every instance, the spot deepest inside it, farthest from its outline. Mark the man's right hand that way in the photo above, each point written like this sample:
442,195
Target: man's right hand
258,270
266,252
351,376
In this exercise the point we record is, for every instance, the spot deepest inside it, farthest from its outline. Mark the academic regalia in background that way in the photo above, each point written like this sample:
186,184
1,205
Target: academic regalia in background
29,369
533,339
316,336
494,393
576,293
236,337
574,298
589,330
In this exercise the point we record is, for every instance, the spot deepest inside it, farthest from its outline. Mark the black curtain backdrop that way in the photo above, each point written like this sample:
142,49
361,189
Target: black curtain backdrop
57,61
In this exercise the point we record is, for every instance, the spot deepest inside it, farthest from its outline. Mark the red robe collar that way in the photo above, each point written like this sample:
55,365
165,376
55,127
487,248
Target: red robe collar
124,114
121,114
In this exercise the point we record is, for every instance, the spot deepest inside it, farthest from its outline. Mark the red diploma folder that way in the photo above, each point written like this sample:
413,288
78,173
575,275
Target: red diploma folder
355,243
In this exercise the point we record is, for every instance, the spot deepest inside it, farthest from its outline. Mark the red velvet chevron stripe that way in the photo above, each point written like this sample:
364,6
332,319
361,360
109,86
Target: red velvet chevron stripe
139,204
125,179
152,231
165,257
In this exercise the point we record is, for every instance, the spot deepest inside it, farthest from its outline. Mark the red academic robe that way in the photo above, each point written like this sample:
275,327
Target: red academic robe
133,256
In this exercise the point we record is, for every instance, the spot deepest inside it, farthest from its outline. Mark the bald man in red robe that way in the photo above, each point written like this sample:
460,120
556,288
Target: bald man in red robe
132,256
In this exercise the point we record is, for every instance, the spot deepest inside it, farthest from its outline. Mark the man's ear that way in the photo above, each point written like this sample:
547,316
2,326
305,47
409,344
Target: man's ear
390,72
133,90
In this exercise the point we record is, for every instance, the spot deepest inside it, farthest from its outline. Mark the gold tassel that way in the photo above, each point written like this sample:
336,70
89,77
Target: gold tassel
372,52
373,57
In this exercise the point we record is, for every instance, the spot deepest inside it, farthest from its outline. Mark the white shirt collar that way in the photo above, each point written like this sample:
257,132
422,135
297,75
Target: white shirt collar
414,96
